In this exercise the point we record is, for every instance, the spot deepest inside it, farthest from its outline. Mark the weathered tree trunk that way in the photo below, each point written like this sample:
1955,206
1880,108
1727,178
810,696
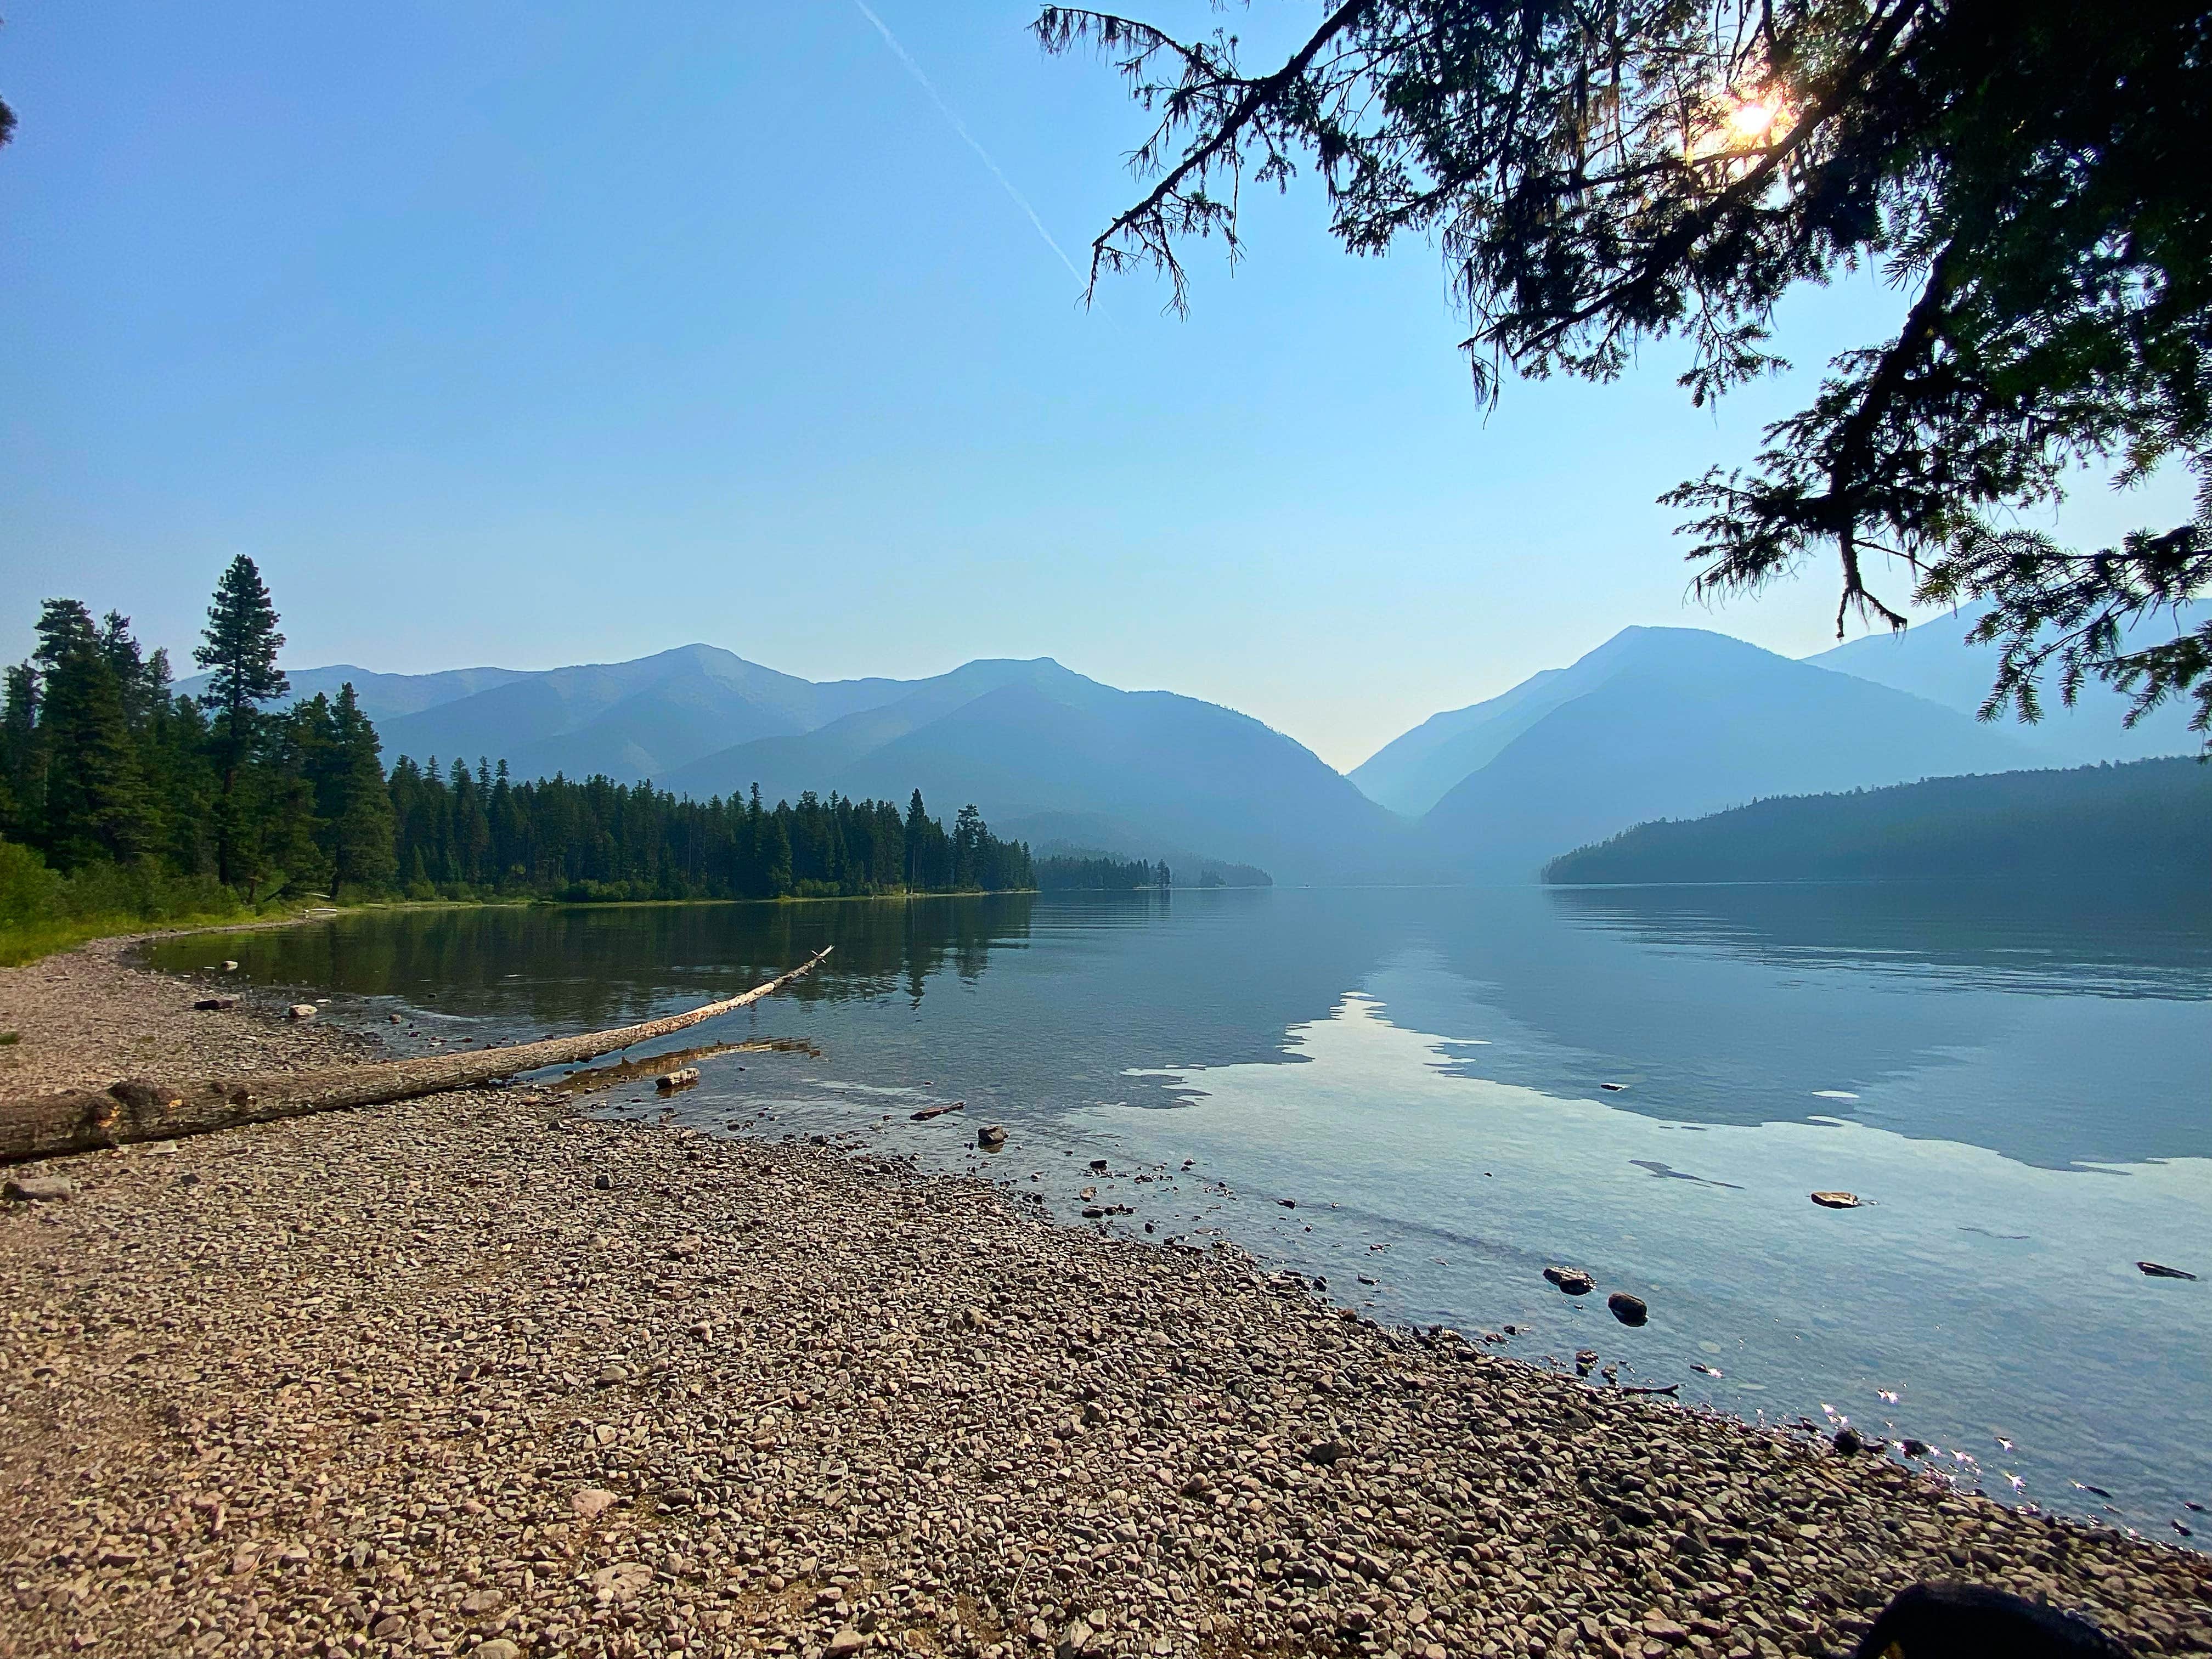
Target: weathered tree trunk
138,1108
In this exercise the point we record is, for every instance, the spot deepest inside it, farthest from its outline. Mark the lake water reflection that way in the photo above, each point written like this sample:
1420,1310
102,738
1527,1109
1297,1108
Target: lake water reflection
2020,1083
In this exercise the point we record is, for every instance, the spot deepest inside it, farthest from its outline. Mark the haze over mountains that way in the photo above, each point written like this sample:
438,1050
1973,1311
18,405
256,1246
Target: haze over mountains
1049,755
1932,659
383,697
1656,723
1659,722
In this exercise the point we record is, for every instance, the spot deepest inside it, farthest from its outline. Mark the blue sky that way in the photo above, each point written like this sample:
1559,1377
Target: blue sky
535,334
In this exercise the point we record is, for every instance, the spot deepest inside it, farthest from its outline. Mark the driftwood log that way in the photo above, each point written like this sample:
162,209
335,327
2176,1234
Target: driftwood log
139,1108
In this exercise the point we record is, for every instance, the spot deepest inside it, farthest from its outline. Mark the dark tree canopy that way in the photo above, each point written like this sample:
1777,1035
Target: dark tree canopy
1600,172
94,793
240,645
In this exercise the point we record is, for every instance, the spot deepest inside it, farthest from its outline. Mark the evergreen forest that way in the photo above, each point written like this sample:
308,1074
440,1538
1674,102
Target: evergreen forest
1097,872
121,801
2148,822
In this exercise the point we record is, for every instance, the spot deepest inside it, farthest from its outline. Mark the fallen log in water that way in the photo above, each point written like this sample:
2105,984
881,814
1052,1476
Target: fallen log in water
139,1108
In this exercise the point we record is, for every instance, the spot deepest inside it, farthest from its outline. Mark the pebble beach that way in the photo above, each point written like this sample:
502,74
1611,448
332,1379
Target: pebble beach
483,1374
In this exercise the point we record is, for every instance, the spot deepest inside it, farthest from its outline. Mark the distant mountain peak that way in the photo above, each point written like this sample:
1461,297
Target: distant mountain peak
1657,721
1414,772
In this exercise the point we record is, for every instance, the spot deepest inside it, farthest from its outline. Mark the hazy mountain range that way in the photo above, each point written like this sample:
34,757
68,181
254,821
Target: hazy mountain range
1047,754
1659,722
1931,660
1656,723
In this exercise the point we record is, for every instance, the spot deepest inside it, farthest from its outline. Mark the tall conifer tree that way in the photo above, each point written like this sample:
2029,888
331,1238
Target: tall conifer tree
917,827
361,826
239,648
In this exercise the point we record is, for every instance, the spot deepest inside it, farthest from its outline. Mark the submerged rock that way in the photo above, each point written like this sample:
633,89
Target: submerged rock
1837,1201
1573,1280
1628,1309
2158,1270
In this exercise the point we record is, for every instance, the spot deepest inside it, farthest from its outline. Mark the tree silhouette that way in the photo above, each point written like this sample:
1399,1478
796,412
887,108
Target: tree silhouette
239,646
1605,173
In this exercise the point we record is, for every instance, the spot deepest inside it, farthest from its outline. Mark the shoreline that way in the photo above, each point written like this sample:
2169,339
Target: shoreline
139,932
351,1385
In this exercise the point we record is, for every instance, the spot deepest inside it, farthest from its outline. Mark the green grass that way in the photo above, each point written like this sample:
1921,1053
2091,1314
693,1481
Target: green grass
43,911
28,944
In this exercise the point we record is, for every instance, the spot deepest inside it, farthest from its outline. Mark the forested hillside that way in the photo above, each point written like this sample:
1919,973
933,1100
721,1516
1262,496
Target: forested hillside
2149,821
120,799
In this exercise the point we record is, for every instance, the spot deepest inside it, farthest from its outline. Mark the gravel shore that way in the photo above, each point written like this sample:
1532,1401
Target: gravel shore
89,1016
474,1375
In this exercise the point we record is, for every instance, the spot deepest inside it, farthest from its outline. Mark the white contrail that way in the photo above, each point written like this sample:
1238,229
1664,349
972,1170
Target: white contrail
966,137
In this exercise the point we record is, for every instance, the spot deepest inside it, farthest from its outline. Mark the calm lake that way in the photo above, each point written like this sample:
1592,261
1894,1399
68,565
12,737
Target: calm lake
2019,1084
